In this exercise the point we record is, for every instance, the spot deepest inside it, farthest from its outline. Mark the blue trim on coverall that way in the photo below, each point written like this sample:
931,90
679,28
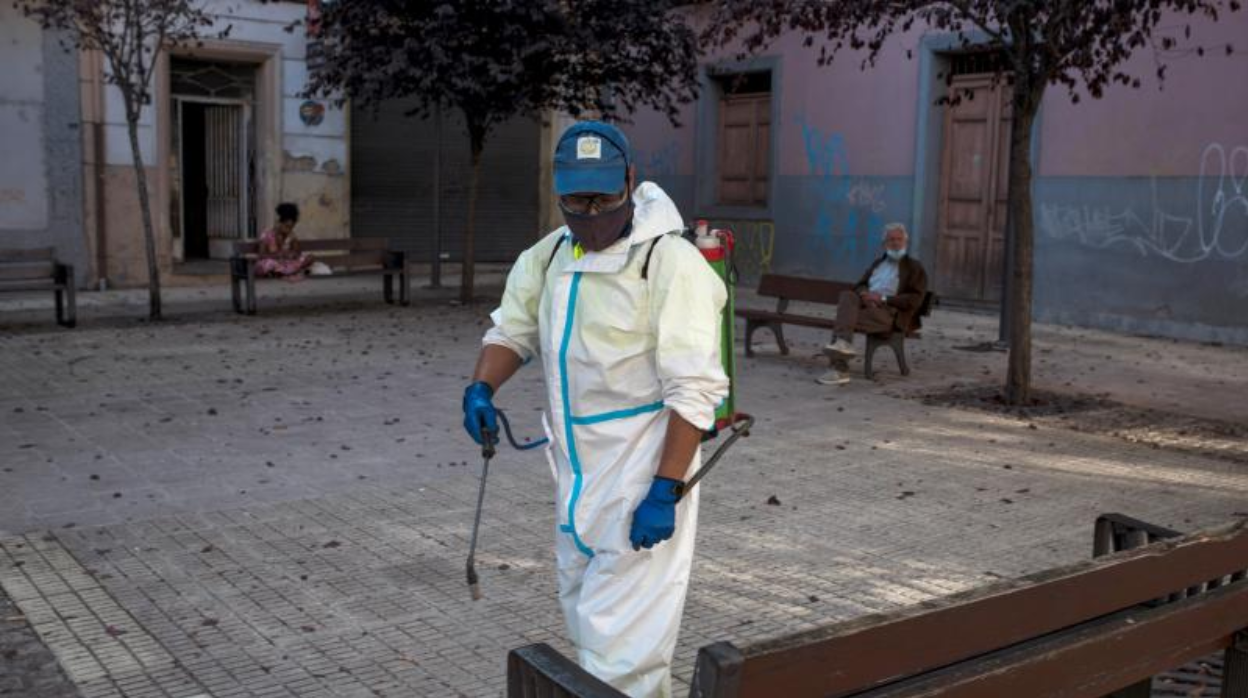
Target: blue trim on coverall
567,419
618,414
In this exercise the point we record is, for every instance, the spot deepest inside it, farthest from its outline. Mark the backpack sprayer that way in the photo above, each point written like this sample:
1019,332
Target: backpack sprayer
717,247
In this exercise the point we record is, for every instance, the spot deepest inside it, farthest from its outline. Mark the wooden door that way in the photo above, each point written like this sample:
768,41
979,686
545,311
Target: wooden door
973,189
744,149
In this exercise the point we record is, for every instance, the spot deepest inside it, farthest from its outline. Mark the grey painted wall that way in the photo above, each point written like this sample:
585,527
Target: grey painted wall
1163,256
46,145
1160,256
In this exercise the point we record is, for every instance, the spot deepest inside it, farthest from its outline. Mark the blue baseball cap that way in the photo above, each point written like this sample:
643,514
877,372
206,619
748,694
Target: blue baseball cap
591,156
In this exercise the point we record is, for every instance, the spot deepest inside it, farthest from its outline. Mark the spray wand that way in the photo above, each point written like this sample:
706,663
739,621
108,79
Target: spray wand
487,452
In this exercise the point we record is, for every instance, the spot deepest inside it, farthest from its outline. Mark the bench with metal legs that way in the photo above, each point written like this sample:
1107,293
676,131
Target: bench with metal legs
346,257
37,269
896,341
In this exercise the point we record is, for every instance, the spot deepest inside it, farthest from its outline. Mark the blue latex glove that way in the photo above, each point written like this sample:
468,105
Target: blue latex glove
655,518
479,411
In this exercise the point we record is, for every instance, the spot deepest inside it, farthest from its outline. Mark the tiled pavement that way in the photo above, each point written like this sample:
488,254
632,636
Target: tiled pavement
281,504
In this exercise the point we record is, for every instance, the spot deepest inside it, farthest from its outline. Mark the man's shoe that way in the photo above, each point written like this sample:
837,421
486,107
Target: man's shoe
840,349
833,377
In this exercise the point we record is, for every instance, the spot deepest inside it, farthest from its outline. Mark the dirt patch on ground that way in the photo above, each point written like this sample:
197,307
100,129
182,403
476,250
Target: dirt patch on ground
1097,414
27,667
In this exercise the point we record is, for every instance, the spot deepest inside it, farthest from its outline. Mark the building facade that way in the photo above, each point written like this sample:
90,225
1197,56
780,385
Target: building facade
41,186
228,136
1141,198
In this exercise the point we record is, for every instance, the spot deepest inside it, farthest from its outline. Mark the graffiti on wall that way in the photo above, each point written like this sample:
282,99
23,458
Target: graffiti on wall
660,162
1218,230
850,217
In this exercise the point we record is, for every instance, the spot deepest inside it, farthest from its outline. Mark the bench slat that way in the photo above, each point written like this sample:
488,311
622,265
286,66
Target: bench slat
10,271
246,247
799,288
865,652
354,260
537,671
786,318
1095,659
347,244
47,284
34,254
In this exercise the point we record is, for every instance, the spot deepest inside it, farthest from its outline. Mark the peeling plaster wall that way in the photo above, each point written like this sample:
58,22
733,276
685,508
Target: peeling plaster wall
314,158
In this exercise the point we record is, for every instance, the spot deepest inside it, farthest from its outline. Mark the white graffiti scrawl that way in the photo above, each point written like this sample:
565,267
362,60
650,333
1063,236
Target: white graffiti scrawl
1219,230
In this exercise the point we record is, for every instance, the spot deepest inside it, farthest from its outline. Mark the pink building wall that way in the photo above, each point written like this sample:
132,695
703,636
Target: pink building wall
1141,197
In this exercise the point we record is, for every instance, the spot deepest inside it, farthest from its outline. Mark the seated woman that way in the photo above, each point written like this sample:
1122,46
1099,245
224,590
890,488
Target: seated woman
280,247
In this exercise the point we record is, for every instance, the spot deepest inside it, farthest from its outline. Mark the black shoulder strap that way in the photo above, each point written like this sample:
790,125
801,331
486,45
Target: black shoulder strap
645,268
554,252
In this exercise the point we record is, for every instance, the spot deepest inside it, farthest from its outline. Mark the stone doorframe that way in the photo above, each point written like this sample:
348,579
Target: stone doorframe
266,117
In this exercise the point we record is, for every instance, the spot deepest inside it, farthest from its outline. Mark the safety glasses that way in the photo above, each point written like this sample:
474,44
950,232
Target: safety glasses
592,203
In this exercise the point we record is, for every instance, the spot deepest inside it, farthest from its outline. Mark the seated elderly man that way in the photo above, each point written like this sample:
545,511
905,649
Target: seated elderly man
886,299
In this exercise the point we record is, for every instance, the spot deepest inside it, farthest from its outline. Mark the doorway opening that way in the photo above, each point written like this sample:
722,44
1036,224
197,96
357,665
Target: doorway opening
214,157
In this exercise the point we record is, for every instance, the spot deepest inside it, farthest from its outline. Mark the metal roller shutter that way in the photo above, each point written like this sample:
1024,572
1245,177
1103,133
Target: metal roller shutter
393,158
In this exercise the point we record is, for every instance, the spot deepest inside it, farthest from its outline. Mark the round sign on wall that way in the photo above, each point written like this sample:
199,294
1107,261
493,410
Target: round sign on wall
312,113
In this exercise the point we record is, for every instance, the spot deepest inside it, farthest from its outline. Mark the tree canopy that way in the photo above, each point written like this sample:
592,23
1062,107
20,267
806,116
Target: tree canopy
497,58
1081,44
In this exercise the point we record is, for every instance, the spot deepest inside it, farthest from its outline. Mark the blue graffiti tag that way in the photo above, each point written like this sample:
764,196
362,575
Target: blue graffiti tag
848,224
657,163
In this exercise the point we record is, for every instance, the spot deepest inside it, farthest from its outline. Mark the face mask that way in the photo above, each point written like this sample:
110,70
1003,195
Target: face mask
895,255
597,231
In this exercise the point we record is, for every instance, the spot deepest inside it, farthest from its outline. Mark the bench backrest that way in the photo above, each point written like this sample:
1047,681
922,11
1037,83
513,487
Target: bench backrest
950,640
540,671
1084,630
347,245
27,264
800,288
343,253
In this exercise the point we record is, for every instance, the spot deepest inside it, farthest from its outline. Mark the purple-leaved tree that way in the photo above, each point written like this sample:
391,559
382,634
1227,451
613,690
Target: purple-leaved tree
1081,45
498,59
130,34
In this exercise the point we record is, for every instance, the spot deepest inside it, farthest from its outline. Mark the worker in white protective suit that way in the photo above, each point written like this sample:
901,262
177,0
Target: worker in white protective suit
625,318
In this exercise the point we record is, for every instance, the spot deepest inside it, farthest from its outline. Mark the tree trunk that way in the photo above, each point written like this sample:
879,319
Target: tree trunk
145,206
469,263
1018,374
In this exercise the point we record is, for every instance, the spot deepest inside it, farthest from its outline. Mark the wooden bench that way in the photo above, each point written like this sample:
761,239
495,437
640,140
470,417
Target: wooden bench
346,257
37,270
806,290
1096,628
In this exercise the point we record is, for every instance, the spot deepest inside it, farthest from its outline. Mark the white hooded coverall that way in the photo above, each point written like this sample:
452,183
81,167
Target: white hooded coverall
620,353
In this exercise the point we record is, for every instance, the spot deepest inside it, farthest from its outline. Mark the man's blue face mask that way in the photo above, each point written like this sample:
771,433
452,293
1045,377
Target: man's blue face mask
895,255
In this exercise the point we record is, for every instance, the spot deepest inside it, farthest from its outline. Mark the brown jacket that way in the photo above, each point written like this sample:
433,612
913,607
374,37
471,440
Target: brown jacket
911,287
